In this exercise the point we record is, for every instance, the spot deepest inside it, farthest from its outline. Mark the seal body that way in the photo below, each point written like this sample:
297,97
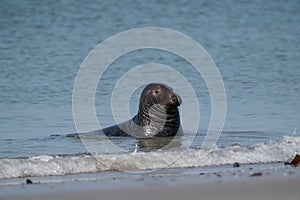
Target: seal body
158,115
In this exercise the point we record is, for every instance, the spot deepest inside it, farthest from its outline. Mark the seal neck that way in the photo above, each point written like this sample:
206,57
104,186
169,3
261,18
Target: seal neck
157,119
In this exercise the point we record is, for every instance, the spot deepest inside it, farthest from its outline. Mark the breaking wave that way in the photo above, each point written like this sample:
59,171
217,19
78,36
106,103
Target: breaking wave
51,165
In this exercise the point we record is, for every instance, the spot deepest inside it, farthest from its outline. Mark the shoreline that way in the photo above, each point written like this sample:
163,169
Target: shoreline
251,181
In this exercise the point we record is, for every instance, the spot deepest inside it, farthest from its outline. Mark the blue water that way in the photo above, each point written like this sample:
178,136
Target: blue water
42,44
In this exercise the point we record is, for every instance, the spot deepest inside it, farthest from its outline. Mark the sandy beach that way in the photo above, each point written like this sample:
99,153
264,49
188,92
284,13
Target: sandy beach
263,181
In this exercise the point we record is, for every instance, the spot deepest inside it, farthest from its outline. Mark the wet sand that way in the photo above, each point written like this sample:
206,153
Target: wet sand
258,181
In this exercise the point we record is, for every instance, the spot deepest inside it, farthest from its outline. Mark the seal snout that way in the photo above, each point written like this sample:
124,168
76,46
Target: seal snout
176,99
179,100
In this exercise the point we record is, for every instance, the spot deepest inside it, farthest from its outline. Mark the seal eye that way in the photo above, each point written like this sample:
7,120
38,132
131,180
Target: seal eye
157,91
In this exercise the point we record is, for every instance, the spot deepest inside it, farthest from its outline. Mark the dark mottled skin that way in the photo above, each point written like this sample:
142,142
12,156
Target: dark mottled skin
157,116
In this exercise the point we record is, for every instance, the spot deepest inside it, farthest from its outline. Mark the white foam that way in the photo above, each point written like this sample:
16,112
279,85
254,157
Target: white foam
46,165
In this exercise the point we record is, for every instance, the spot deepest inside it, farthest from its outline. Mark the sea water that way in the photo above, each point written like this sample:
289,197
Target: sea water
255,46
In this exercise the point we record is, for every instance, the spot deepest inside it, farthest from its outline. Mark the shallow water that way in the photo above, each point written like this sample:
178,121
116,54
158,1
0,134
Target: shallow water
254,44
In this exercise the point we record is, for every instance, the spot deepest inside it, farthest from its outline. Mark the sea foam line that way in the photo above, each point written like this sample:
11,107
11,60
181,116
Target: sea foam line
46,165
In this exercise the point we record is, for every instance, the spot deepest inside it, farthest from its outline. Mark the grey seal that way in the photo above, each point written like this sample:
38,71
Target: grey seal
158,114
